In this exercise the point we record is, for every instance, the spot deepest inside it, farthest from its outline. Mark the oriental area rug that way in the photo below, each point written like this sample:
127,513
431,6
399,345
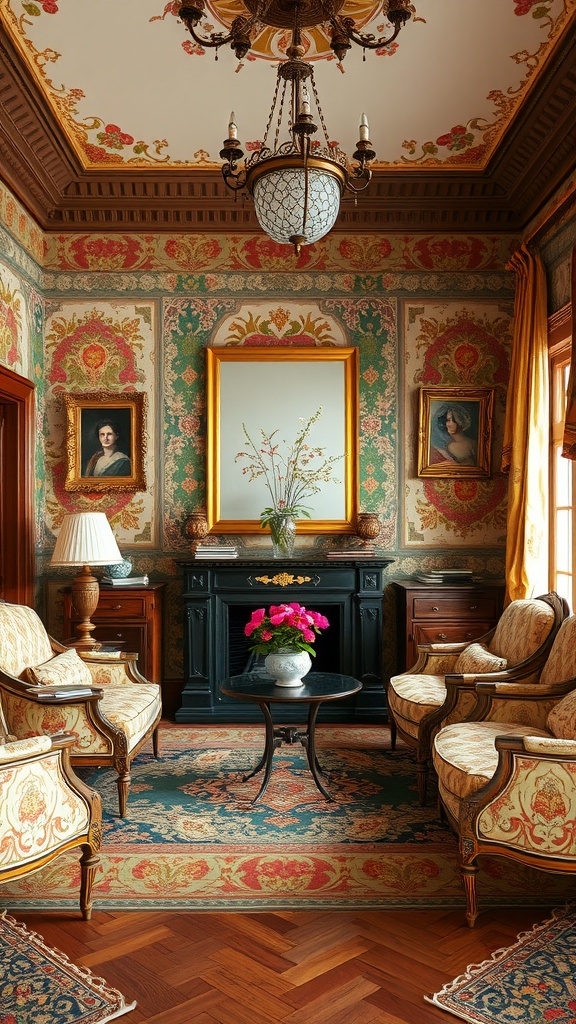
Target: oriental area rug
39,985
531,982
192,839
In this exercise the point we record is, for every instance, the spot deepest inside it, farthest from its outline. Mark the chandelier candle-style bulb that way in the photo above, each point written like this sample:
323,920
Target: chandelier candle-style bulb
232,127
363,127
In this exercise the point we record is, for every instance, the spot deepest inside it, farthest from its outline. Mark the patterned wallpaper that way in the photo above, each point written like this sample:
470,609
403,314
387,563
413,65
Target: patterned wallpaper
125,313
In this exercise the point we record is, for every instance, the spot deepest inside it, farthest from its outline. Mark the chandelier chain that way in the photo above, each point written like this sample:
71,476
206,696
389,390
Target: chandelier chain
319,109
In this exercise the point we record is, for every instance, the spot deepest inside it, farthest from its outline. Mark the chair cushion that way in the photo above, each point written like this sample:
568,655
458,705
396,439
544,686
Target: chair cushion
477,658
465,755
413,696
522,629
23,639
561,720
66,669
132,709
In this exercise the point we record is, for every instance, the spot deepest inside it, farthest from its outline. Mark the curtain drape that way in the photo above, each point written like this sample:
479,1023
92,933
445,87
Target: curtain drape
526,433
569,440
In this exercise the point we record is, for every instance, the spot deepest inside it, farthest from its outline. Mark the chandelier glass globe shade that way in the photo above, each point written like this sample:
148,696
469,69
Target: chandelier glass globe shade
279,201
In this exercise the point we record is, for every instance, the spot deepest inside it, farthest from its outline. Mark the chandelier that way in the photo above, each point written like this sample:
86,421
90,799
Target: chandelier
296,184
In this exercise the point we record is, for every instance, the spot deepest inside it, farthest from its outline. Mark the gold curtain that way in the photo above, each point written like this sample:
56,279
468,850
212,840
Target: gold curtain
569,440
526,433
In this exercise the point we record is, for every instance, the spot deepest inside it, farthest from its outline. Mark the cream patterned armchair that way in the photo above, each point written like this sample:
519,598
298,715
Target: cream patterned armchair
440,688
46,809
101,699
508,787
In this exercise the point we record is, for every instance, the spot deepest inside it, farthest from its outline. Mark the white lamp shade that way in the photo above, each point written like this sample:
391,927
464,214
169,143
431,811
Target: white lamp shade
86,538
279,203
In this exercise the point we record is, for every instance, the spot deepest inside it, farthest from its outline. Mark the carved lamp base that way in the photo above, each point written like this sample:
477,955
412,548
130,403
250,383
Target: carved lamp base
85,594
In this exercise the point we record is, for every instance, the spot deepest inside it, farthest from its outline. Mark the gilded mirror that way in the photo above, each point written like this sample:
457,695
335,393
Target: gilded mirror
278,389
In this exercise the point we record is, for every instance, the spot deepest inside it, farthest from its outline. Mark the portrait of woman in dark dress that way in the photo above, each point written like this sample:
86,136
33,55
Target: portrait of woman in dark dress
108,459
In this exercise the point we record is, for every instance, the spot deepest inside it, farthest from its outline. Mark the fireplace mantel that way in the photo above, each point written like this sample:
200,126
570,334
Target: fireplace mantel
219,596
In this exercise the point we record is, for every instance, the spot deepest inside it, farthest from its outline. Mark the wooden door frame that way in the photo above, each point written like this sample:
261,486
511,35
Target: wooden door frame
17,488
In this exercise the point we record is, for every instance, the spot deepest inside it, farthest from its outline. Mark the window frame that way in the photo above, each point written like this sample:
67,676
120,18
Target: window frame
559,355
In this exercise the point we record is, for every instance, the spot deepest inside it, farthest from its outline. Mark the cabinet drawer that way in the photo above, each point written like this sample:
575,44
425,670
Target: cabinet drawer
454,607
131,638
449,633
119,606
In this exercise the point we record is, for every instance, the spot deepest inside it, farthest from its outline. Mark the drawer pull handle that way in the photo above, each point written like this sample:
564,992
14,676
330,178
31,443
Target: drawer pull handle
473,607
442,636
435,609
117,608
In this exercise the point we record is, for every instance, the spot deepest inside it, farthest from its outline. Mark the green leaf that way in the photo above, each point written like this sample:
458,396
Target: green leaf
32,10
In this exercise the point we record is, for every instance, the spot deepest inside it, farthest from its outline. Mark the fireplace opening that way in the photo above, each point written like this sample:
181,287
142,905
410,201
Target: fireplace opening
326,645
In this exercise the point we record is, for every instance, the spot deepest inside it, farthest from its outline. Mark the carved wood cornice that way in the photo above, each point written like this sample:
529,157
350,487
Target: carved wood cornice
39,165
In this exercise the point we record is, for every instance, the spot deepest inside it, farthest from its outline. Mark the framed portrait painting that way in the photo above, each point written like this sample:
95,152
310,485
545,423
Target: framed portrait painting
105,441
455,432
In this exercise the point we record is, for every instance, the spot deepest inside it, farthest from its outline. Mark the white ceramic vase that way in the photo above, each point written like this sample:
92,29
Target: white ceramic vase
288,667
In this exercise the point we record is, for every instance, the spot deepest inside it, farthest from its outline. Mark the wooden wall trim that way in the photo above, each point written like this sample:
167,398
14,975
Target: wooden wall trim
17,476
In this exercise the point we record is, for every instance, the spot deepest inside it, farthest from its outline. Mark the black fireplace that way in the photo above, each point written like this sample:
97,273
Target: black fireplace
219,598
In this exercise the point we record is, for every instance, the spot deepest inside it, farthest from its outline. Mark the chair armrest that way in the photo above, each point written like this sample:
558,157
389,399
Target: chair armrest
65,694
19,750
39,694
103,657
434,659
503,690
550,746
123,666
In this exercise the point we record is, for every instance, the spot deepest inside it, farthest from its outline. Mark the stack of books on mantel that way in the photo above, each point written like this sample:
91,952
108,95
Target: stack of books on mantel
440,576
125,581
215,551
364,552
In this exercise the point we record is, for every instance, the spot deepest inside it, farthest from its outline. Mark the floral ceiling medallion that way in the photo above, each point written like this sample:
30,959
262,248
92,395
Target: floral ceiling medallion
271,42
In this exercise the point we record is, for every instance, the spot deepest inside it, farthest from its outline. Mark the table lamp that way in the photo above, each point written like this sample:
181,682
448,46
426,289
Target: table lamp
85,539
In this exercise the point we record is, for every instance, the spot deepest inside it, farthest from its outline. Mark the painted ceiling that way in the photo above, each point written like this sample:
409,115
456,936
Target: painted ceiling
129,87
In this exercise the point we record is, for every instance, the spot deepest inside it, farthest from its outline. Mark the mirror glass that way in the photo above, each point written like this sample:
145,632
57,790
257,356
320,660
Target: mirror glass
280,389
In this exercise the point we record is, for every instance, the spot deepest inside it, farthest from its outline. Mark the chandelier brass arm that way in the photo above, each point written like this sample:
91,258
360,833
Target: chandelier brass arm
344,30
281,14
239,37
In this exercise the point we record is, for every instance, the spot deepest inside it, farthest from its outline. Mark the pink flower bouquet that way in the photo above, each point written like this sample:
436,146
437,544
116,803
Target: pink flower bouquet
284,627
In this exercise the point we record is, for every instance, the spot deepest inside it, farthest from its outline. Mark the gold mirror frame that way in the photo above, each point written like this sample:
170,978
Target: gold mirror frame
296,381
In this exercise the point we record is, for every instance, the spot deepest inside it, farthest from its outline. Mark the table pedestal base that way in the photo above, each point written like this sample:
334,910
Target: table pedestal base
288,734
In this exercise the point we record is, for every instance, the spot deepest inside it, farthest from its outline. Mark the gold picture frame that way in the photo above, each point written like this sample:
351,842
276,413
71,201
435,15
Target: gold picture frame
277,388
120,462
455,432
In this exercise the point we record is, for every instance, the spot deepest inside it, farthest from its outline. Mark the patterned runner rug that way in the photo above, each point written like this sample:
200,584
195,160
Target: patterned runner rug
532,982
193,839
40,984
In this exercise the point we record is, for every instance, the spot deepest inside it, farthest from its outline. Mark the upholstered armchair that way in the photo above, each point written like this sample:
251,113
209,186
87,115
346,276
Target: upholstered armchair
101,699
508,787
441,686
46,809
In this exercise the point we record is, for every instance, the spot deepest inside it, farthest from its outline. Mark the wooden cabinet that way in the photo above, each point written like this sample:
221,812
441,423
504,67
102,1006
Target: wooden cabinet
131,616
428,614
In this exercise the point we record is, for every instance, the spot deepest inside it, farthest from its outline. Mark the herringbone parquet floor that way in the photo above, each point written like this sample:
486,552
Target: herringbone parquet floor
298,967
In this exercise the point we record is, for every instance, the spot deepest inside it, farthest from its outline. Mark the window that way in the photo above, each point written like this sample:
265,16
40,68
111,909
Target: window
562,471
